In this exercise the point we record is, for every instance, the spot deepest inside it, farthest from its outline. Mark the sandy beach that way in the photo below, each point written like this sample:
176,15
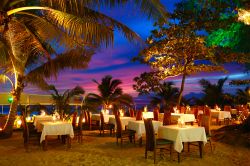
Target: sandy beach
102,150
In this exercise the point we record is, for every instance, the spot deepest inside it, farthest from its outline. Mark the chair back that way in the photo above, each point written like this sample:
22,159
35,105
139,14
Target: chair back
150,135
205,122
74,117
131,113
156,113
182,109
139,115
227,108
200,107
102,121
207,111
167,118
118,126
82,115
86,117
25,127
89,119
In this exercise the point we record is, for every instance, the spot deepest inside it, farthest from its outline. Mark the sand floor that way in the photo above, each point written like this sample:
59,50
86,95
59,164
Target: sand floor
102,150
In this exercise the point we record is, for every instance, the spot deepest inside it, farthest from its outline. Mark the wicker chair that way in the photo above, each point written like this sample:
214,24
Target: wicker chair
156,113
78,131
152,144
139,115
167,118
123,134
205,121
29,132
74,118
131,113
105,126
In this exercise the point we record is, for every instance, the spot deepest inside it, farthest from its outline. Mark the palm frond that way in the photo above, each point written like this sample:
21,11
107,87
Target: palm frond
74,59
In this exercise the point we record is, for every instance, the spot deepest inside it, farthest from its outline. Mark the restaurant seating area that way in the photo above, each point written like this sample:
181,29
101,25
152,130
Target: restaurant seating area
174,129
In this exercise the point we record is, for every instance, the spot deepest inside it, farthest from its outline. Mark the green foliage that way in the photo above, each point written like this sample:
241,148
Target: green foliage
110,93
61,101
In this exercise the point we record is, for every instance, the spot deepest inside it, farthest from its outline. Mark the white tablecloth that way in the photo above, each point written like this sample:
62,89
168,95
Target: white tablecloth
148,115
124,121
98,117
38,119
220,114
179,135
56,128
175,117
139,127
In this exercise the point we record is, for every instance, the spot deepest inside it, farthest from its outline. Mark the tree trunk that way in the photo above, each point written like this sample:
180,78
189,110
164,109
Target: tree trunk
8,127
182,88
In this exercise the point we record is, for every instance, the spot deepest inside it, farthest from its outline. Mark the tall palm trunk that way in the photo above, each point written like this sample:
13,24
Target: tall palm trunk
182,85
16,94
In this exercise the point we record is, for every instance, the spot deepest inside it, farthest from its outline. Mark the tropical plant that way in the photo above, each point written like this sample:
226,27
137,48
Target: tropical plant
243,96
166,95
213,93
61,101
38,38
176,49
110,94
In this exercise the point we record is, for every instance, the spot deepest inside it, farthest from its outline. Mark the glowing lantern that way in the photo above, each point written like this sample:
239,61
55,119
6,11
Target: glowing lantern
10,99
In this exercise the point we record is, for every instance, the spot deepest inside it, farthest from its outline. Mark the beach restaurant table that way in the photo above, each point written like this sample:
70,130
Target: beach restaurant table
124,121
139,127
176,116
148,115
97,117
186,134
221,115
56,128
41,118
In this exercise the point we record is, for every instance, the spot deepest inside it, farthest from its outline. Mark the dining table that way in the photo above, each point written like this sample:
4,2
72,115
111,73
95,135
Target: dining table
139,127
41,118
124,120
56,128
221,115
97,117
175,116
179,135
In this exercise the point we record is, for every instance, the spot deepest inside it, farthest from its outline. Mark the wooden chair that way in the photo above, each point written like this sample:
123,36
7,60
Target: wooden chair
131,113
93,124
227,108
205,122
105,126
29,132
123,134
152,144
80,126
182,109
139,115
167,118
156,113
74,118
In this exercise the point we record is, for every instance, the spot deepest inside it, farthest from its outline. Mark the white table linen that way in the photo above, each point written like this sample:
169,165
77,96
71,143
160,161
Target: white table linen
56,128
139,127
176,116
97,117
124,121
221,115
39,118
179,135
148,115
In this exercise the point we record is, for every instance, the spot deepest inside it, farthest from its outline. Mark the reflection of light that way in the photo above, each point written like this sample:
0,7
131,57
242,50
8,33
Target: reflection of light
1,129
28,119
244,16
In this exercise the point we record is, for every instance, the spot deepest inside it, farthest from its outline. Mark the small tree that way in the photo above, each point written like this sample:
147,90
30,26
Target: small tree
176,50
61,101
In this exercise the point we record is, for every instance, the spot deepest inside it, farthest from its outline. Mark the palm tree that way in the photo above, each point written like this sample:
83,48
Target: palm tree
38,38
61,101
110,94
213,93
166,95
243,96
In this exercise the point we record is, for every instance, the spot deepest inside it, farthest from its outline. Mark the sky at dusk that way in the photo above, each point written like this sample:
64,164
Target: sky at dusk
116,60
